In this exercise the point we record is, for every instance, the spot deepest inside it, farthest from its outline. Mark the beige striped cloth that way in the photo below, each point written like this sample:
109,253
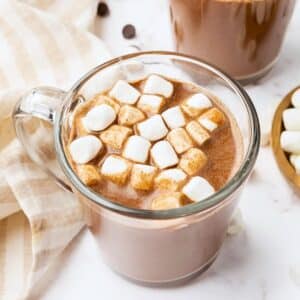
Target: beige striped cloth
42,42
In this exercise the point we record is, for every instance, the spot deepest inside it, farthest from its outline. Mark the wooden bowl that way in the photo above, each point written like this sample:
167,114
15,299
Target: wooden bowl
282,158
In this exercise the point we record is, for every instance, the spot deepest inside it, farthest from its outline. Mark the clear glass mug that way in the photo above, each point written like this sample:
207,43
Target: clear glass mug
143,245
242,37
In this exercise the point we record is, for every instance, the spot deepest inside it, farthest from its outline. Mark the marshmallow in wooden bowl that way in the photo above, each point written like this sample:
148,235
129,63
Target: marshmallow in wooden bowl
286,137
291,119
296,98
290,137
295,161
290,141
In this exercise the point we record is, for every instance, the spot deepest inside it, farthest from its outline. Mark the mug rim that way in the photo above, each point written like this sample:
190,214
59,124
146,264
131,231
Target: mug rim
218,197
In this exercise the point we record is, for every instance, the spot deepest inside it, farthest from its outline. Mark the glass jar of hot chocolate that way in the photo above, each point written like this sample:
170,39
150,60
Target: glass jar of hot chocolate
243,37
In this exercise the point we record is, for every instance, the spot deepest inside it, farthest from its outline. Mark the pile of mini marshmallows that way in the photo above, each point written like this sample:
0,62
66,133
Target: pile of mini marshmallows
290,137
166,136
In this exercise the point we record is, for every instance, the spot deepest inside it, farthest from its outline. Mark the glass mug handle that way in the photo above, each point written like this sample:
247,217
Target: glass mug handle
41,103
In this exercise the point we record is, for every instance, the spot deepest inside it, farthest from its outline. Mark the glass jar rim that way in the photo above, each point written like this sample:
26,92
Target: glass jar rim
229,188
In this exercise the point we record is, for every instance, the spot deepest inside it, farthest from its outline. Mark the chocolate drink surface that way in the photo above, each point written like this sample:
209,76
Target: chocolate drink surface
242,37
154,144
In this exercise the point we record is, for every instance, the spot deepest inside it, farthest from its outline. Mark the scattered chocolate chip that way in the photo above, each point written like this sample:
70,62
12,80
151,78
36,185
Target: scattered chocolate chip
128,31
102,9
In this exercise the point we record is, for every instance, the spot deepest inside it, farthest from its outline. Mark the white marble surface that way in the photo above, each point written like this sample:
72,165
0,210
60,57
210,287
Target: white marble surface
263,261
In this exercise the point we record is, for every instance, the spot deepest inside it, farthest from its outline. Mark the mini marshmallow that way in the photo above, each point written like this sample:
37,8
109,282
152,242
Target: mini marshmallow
192,161
137,149
196,104
291,119
296,98
151,104
116,169
99,117
164,155
130,115
290,141
142,177
85,148
133,70
171,179
153,129
196,131
159,86
115,136
212,119
198,189
208,124
88,174
295,161
124,92
167,201
293,158
102,99
180,140
174,117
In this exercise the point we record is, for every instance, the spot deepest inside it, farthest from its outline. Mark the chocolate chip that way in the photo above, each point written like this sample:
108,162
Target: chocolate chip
102,9
128,31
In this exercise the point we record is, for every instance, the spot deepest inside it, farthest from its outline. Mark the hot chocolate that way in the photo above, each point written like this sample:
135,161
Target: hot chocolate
156,143
243,37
